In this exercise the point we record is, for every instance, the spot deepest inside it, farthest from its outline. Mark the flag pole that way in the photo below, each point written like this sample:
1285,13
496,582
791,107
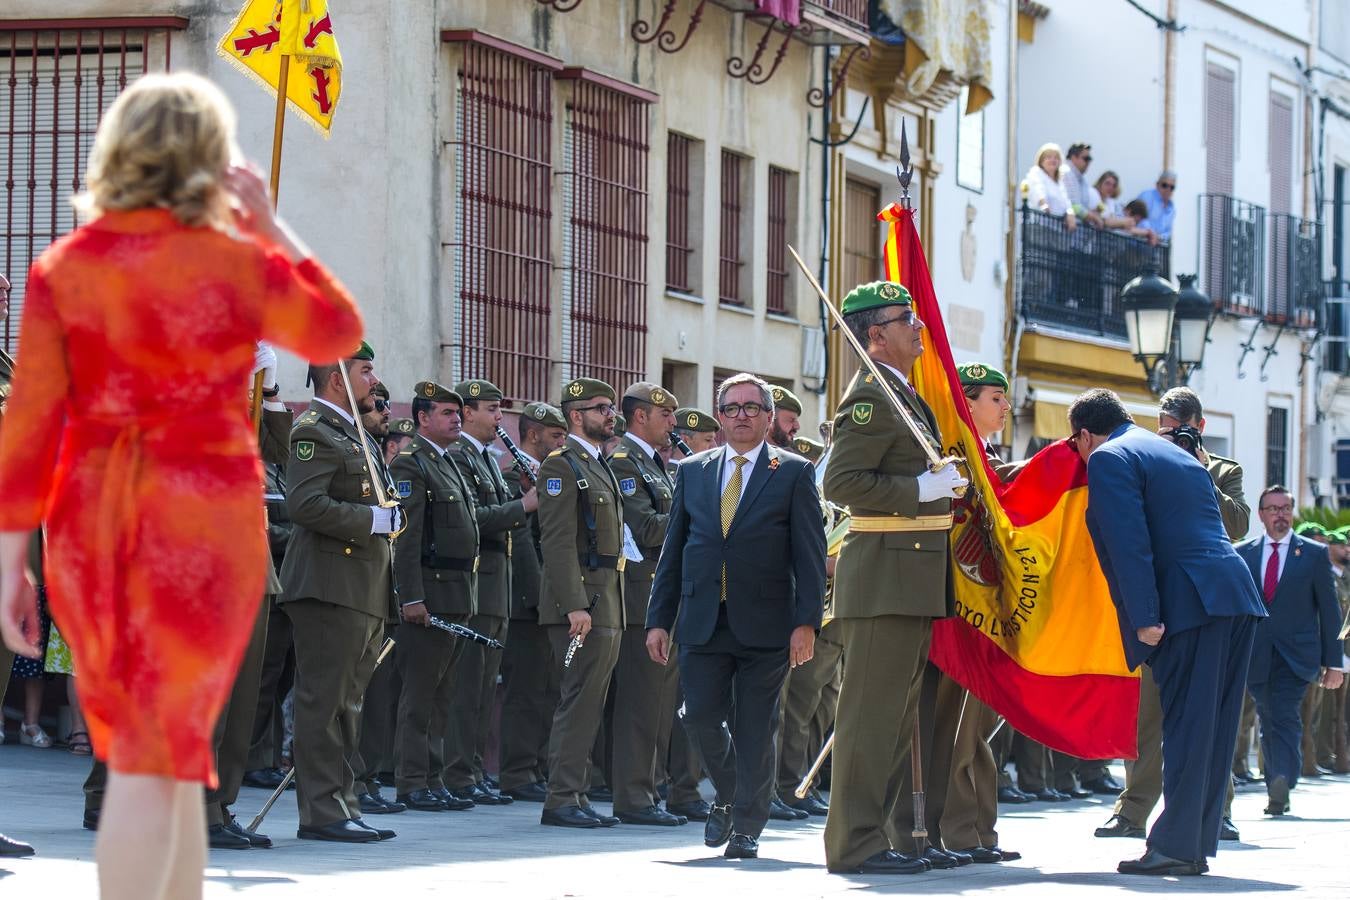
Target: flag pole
279,125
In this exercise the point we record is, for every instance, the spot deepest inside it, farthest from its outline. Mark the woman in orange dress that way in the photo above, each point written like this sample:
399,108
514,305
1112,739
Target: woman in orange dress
127,434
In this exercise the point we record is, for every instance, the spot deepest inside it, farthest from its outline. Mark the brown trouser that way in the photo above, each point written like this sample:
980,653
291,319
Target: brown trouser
969,817
375,748
803,696
475,675
234,728
941,701
275,681
685,769
1246,727
425,659
581,706
530,675
1332,751
644,697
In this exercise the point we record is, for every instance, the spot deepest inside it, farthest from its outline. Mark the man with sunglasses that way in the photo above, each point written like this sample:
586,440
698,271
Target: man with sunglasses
1161,209
1074,175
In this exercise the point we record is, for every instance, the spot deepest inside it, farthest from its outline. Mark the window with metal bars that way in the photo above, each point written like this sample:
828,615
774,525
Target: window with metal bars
1277,445
782,227
684,211
605,150
500,252
734,234
55,84
862,234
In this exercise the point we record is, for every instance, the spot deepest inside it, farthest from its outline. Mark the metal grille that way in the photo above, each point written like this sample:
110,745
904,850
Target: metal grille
1277,445
862,234
1073,281
1296,286
1220,100
503,214
57,84
1335,345
679,180
780,233
605,283
855,11
729,260
1233,255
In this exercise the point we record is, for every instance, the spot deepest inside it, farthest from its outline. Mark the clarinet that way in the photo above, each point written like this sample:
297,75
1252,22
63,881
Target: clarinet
464,632
522,465
679,444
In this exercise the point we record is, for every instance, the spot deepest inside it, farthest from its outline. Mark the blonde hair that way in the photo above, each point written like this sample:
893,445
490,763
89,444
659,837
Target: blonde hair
166,141
1047,149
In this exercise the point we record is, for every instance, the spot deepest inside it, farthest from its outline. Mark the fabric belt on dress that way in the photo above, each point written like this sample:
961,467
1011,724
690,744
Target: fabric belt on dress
865,524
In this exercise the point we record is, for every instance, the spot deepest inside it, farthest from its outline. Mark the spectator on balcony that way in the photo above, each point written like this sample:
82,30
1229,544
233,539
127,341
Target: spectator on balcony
1104,196
1073,175
1161,209
1132,223
1045,191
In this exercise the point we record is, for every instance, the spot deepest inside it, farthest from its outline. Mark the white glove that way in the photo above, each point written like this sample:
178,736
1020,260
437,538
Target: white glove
945,482
387,519
265,361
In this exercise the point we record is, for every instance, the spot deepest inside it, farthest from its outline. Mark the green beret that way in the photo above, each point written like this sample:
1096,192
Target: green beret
1309,529
365,351
620,425
653,394
400,427
877,293
430,390
691,419
785,399
812,450
586,389
1338,536
379,390
478,389
975,374
544,414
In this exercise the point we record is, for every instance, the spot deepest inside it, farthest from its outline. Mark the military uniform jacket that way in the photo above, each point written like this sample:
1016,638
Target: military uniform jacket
332,556
1233,508
872,470
647,493
436,557
570,581
497,515
527,557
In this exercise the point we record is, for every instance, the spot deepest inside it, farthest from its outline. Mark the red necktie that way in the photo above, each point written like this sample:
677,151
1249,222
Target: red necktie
1272,578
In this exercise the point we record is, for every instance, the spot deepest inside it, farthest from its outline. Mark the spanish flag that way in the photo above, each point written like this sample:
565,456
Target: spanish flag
298,33
1036,635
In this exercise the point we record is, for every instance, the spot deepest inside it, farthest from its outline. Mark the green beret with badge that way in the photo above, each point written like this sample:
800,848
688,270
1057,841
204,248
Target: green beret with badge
691,419
654,394
1339,536
785,399
875,294
479,389
544,414
379,390
974,374
436,393
579,389
1310,530
365,351
812,450
402,427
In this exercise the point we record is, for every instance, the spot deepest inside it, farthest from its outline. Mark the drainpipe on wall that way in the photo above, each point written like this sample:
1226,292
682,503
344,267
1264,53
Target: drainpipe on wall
1169,85
1012,324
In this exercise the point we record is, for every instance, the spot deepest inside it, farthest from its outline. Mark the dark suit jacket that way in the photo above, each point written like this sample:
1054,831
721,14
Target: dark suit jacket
1156,527
1304,616
774,553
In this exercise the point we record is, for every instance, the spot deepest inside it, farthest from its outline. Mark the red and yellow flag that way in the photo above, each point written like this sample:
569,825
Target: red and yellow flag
299,32
1036,635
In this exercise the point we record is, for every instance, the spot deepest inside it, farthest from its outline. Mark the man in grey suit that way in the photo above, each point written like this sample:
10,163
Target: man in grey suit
741,580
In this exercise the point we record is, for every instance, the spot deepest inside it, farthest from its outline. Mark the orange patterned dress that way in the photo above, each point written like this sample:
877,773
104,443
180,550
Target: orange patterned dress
127,433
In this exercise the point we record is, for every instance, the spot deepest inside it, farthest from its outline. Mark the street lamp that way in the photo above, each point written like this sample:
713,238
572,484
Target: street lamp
1194,314
1167,328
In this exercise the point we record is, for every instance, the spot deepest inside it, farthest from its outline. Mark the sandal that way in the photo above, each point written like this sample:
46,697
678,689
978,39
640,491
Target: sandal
34,736
78,744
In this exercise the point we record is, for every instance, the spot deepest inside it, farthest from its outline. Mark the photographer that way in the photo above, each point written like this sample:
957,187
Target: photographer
1181,419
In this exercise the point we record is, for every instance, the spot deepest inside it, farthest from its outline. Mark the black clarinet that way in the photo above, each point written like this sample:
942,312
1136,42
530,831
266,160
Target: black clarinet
463,631
679,444
522,465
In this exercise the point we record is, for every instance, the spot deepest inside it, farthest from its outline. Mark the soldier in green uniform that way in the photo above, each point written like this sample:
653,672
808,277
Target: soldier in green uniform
644,692
581,599
400,435
1143,776
812,450
901,514
338,593
787,412
436,565
529,671
697,428
1331,737
476,667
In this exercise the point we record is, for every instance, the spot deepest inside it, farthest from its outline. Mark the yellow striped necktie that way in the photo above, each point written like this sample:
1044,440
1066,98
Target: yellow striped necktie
731,497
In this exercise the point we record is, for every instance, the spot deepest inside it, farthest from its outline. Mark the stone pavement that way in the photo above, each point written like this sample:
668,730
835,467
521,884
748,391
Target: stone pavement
504,852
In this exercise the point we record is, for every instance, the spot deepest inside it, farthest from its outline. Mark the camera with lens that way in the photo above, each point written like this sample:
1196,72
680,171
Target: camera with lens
1188,438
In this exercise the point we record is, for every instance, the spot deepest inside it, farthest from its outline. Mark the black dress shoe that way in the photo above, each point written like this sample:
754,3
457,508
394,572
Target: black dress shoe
422,800
492,783
345,832
254,838
91,819
267,779
717,828
11,847
569,817
891,862
486,796
528,793
961,856
1013,795
742,846
218,837
604,820
1075,793
652,815
463,794
694,812
383,834
602,794
1244,778
1106,785
1155,863
980,854
374,803
781,812
1050,795
1228,831
1008,855
450,801
1278,794
809,805
1119,826
937,859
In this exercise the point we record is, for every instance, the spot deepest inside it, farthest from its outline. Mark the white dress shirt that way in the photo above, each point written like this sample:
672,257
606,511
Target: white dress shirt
729,467
590,448
340,411
1266,544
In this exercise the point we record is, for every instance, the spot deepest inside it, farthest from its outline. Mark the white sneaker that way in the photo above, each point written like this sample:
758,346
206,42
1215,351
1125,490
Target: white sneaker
34,736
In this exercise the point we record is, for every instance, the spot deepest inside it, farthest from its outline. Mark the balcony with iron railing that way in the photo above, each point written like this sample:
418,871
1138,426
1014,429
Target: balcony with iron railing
1256,264
822,21
1072,280
1335,322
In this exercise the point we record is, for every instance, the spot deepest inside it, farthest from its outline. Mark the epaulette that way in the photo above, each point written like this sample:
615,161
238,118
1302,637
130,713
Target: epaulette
406,452
559,452
308,417
621,454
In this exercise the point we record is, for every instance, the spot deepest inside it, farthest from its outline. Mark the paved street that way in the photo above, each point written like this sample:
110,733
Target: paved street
505,853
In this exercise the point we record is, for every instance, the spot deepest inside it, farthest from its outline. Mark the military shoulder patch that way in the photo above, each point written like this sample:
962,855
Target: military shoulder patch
553,486
862,413
308,418
622,454
558,452
405,488
628,486
304,450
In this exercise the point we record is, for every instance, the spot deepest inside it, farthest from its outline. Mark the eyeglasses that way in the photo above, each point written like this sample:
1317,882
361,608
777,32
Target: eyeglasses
605,409
734,410
381,405
1087,159
1166,186
907,317
1286,509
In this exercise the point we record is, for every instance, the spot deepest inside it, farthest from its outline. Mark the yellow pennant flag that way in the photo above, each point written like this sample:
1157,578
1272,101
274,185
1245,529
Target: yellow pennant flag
300,32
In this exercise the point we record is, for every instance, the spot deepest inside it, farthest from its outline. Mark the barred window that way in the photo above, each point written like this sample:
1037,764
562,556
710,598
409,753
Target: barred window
55,84
1277,445
734,235
782,225
684,212
500,252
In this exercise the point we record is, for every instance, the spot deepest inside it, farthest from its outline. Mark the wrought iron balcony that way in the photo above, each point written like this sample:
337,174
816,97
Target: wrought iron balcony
1296,286
822,21
1232,254
1335,321
1073,280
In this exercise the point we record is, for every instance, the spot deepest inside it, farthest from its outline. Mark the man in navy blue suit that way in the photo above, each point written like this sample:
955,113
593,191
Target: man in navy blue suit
1187,607
1296,645
741,582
